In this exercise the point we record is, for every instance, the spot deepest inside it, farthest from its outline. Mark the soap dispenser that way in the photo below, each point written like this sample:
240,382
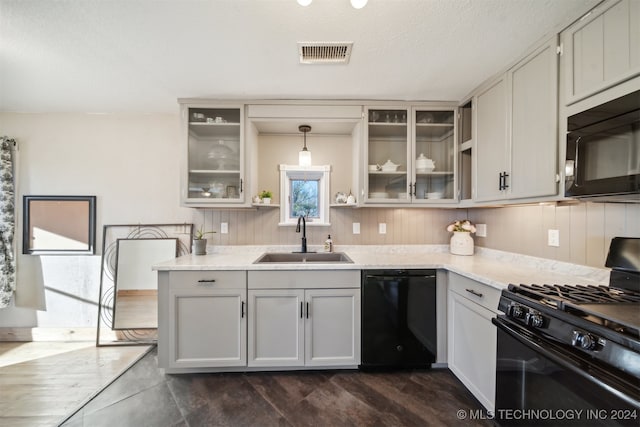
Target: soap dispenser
328,244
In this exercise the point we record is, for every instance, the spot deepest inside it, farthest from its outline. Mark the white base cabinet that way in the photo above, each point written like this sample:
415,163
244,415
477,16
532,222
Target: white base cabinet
472,337
298,327
206,319
304,319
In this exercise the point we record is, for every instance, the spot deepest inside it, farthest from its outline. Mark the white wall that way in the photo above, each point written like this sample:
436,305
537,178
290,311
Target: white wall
130,162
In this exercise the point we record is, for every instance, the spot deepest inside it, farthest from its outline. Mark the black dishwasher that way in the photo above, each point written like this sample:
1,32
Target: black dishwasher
398,319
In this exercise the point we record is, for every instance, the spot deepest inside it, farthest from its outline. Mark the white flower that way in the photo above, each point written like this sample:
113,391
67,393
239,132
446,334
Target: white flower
462,225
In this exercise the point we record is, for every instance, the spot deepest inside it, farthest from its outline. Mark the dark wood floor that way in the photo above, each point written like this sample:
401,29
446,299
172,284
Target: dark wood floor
145,396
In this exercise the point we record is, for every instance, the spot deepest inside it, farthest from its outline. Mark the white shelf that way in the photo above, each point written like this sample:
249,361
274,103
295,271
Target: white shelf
343,205
396,173
214,172
264,205
434,173
467,145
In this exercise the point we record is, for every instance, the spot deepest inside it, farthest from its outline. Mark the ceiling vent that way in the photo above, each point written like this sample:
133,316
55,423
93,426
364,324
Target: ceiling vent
324,52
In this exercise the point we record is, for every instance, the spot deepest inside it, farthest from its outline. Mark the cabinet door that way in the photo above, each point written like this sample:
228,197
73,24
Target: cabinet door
601,50
215,155
491,140
387,137
534,120
207,328
433,158
472,347
332,330
276,327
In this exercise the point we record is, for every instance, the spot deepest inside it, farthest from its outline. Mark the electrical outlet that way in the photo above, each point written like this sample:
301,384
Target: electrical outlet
356,228
382,228
224,228
481,230
553,238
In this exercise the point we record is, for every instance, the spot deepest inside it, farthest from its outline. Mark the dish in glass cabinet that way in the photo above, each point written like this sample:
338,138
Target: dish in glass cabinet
379,195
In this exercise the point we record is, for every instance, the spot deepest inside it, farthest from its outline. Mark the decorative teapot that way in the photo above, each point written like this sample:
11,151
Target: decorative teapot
389,166
424,163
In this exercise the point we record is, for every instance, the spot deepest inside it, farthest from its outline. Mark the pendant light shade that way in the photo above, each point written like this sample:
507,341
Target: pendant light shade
358,4
304,156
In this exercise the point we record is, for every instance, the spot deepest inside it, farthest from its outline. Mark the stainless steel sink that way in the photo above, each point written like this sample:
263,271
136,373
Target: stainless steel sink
295,258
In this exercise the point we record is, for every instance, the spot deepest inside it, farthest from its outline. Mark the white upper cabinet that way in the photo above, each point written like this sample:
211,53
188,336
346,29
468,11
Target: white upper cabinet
534,124
492,146
601,50
516,130
213,171
409,155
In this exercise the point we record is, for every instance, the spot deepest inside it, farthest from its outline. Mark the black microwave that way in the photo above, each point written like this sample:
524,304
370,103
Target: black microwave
603,151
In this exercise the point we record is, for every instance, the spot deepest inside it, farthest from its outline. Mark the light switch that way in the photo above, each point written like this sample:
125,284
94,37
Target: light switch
224,227
481,230
356,228
553,238
382,228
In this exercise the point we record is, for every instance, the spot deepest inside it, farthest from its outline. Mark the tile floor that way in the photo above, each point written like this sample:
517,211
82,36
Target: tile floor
145,396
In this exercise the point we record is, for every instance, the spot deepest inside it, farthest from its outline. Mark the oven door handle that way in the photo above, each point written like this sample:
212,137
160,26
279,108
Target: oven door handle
558,357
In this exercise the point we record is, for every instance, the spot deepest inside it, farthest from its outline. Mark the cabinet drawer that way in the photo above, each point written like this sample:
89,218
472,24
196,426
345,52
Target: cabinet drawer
303,279
208,279
480,293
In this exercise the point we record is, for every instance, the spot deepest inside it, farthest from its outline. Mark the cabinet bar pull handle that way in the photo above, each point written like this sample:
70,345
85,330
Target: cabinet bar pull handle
307,310
241,185
504,181
301,310
206,280
476,293
242,310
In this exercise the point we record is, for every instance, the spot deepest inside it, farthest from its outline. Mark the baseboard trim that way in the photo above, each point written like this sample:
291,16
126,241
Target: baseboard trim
47,334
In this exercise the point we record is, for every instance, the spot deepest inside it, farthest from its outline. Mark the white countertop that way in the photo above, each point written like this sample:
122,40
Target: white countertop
491,267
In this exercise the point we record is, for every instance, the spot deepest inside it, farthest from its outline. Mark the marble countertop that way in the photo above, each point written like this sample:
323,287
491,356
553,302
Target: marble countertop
491,267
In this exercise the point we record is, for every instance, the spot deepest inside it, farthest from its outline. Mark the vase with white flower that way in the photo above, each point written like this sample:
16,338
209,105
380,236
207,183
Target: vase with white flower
461,242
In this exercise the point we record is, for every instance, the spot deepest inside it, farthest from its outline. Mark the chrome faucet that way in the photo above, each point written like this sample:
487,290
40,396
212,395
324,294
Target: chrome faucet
304,233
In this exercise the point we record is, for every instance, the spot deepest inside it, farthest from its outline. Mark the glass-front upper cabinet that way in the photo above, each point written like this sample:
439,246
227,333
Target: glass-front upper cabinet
434,156
388,163
410,155
215,156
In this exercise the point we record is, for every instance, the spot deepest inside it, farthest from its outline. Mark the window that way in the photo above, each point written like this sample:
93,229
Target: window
304,191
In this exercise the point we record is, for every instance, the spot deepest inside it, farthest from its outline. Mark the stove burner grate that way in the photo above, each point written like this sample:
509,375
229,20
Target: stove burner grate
557,295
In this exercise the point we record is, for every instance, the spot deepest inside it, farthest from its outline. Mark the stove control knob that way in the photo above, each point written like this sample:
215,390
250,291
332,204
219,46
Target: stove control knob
534,319
584,340
517,311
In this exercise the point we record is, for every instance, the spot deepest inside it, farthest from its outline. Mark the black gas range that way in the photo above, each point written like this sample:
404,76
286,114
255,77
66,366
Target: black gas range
570,354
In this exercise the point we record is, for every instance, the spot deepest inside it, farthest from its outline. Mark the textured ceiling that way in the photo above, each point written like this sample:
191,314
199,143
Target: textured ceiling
141,55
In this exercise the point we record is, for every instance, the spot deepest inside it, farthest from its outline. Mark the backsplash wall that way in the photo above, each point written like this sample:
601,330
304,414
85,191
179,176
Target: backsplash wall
585,228
404,226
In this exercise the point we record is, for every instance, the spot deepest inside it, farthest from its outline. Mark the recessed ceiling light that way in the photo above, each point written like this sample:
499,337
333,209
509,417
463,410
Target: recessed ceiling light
304,2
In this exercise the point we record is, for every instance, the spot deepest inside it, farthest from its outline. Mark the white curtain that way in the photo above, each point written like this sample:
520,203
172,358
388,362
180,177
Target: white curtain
7,222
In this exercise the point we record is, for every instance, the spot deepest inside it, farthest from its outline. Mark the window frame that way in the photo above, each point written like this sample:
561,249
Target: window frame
294,172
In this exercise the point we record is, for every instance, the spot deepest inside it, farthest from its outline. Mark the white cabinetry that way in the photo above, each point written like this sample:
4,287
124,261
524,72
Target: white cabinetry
206,320
304,318
516,130
472,337
213,172
601,50
491,140
421,140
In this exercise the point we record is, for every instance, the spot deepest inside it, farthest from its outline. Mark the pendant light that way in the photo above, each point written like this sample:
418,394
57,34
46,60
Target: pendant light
304,156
